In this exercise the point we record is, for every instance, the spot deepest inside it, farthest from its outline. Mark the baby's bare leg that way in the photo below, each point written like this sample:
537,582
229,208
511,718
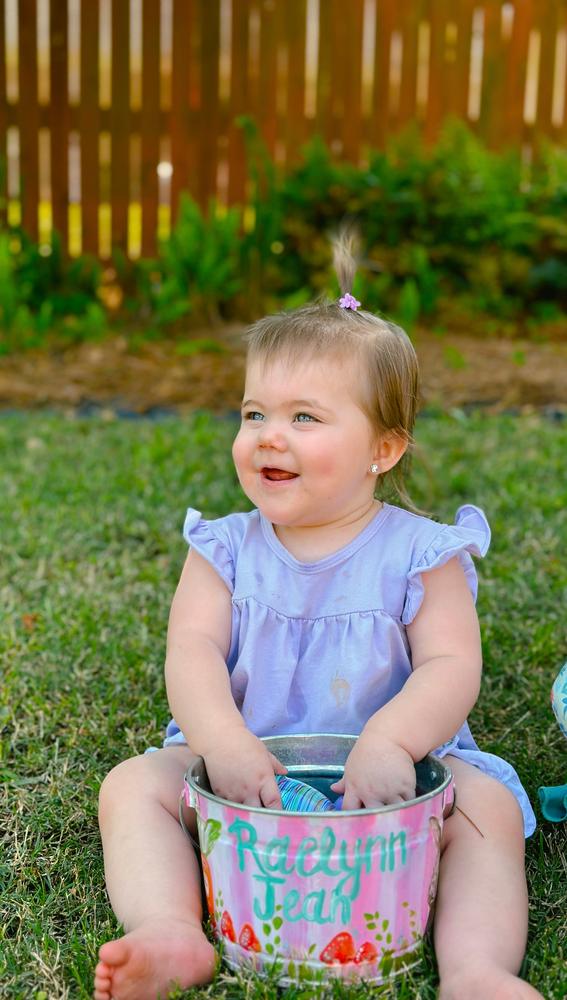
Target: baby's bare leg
153,881
481,917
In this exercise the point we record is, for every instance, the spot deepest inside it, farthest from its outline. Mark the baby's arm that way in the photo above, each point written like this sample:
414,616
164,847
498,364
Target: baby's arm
198,688
435,700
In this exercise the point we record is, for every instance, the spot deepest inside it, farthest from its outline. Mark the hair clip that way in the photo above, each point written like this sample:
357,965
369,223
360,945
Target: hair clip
348,301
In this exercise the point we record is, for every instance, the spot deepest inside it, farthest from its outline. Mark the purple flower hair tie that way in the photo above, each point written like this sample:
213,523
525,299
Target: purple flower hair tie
348,301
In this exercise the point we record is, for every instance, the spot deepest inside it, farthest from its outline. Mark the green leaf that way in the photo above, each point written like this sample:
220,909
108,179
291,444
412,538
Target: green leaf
211,833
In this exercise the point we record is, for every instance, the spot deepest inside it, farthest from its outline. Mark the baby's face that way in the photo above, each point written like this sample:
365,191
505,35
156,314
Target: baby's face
305,446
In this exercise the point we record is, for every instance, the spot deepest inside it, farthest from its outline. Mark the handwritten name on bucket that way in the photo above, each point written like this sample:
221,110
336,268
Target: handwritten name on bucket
274,863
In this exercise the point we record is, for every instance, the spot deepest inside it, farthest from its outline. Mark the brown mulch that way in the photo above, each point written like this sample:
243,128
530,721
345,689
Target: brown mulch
456,371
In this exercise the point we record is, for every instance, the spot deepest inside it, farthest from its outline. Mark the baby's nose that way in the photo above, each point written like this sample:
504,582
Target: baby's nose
272,436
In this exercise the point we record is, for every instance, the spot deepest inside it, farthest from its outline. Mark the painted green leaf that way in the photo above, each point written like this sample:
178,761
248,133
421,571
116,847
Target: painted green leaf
267,929
277,921
210,834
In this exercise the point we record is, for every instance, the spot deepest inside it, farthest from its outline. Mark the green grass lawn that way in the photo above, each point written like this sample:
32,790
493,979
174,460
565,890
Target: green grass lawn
90,550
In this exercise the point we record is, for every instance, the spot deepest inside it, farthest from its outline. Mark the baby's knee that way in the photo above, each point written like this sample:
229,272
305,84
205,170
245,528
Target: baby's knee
485,806
118,785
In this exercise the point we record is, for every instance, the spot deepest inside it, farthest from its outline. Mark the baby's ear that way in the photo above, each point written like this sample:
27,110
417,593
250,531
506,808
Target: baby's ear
389,450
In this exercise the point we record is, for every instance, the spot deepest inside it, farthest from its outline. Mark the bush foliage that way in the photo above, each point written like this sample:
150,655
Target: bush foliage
444,231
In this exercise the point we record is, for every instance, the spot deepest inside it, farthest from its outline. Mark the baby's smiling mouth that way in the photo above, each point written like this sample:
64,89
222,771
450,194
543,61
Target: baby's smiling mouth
277,475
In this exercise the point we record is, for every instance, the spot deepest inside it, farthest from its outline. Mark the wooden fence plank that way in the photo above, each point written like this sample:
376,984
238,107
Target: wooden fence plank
119,116
59,108
209,17
385,20
28,116
492,108
337,73
352,55
183,142
3,121
323,111
295,131
547,21
410,14
439,13
150,123
267,107
512,129
463,59
238,102
560,132
89,127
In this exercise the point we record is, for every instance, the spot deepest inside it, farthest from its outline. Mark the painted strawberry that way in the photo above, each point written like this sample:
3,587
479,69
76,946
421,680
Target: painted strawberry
227,926
366,953
339,950
248,938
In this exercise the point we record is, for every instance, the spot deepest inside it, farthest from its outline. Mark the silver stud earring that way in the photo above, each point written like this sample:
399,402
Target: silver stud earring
374,469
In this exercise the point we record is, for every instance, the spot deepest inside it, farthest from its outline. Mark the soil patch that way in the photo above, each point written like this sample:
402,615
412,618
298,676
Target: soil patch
207,372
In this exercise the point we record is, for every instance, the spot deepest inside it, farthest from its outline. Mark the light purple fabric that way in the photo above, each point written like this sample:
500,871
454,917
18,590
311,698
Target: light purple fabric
319,647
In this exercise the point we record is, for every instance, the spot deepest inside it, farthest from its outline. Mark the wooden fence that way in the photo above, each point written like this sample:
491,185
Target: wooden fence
110,108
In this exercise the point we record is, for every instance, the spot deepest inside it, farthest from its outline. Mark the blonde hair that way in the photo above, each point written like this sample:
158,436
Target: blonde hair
389,384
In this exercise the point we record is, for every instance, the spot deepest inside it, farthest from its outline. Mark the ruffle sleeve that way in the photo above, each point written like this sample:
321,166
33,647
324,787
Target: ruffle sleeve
207,541
469,534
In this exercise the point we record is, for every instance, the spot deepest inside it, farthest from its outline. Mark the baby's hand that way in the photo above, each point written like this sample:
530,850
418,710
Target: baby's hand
378,772
241,769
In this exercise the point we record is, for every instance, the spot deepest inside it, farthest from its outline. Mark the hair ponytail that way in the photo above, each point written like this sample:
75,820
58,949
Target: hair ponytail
345,257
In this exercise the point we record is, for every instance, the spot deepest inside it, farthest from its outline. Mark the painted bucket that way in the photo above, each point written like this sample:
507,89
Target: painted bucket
313,896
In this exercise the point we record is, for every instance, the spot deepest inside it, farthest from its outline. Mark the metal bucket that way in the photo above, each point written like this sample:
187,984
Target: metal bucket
319,895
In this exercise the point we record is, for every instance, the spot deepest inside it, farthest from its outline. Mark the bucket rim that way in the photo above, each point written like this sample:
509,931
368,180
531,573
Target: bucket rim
330,814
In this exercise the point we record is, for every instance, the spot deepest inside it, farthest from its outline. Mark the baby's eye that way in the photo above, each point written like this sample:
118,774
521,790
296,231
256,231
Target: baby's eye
253,415
304,418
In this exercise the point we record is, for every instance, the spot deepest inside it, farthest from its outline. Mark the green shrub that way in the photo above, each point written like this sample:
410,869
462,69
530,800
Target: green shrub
199,262
44,292
446,230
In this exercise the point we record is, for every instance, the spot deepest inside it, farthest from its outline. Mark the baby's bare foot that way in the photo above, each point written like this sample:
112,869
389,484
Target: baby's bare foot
488,982
152,959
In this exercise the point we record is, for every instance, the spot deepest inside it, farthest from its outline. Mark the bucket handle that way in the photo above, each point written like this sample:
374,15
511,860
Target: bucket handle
449,800
189,799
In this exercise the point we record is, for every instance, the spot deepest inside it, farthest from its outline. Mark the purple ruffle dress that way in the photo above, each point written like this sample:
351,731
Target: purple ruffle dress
319,647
